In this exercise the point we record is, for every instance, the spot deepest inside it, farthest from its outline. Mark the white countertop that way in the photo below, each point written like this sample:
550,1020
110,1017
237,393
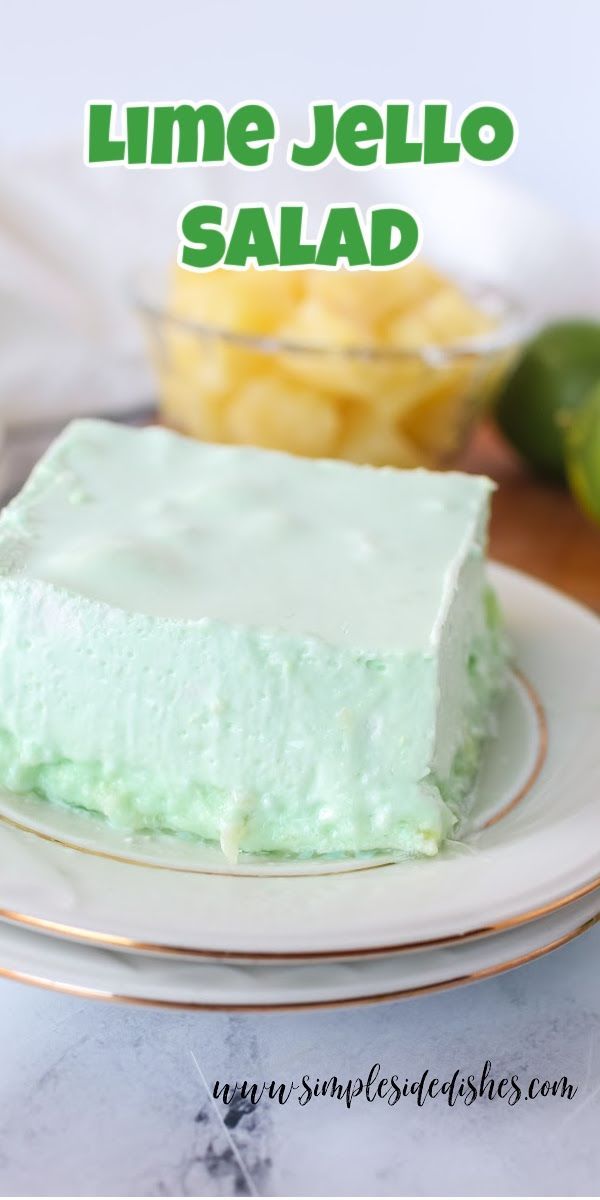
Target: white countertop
102,1099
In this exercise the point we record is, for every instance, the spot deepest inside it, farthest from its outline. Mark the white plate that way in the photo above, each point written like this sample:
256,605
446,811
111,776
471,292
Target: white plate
541,854
99,973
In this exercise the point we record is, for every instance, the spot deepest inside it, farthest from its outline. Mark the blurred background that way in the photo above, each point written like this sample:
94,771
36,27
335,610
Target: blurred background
484,356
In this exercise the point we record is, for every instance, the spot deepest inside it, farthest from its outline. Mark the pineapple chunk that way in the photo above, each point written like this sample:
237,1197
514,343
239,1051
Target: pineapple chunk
371,437
371,296
249,301
281,414
437,423
446,316
409,381
199,374
314,323
201,416
329,369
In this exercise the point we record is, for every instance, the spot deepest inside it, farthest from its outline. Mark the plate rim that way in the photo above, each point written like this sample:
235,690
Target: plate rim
121,942
477,976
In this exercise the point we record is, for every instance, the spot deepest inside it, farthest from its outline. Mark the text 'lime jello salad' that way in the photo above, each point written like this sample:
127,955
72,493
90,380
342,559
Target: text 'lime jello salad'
276,654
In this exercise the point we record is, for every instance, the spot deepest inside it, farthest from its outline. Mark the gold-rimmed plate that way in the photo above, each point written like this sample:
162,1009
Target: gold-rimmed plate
99,973
68,875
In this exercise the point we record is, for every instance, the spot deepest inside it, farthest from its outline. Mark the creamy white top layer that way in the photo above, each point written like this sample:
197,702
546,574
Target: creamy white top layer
157,524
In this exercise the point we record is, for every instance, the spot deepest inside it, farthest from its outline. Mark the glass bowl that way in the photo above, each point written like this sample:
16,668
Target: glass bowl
407,407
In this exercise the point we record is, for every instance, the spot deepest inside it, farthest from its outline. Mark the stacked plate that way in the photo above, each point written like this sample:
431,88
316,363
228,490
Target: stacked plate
165,921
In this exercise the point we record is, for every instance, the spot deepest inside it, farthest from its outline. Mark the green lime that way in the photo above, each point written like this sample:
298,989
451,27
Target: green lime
583,454
550,380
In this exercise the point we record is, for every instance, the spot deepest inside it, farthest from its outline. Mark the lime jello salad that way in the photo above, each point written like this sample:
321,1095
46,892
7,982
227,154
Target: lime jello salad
281,655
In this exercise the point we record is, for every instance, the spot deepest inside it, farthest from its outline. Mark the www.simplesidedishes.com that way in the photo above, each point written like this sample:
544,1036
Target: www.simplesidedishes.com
391,1089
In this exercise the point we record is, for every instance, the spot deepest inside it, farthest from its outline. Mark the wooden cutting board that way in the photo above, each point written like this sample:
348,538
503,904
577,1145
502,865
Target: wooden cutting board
536,526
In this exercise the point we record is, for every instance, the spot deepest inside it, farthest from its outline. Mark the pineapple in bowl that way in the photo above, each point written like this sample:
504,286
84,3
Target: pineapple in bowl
376,367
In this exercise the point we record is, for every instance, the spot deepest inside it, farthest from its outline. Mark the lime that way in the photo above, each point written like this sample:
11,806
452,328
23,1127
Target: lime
550,380
583,454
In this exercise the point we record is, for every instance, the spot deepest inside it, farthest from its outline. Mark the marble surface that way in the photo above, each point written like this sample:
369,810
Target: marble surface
102,1099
